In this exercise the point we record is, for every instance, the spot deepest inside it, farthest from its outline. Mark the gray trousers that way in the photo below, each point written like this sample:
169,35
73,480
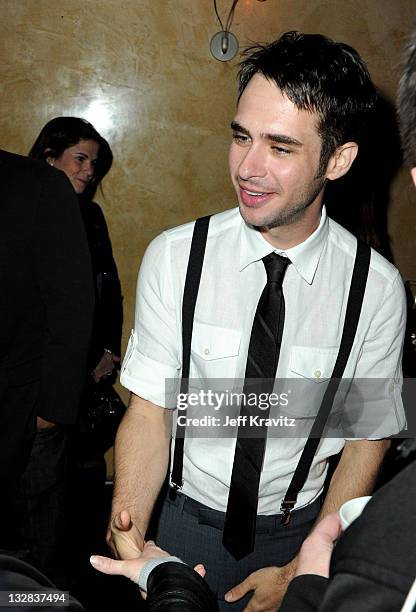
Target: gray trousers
193,532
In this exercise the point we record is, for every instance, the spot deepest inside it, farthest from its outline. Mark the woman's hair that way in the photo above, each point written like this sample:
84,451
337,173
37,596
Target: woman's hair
64,132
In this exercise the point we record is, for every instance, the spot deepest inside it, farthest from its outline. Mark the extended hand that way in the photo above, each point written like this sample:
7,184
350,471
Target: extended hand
269,585
315,554
124,537
130,568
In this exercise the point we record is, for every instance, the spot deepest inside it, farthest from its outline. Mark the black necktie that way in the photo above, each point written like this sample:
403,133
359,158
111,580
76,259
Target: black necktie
262,359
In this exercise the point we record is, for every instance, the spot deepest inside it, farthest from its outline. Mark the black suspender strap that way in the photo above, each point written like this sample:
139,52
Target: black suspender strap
190,294
352,315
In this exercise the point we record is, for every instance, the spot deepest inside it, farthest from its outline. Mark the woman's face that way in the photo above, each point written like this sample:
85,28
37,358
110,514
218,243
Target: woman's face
78,163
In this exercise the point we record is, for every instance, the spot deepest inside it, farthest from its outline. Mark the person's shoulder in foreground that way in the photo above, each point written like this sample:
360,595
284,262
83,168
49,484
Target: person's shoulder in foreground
21,163
373,564
40,207
19,578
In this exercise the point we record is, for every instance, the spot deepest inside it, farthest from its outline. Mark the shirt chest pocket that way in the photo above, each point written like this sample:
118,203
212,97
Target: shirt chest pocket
314,364
310,369
215,351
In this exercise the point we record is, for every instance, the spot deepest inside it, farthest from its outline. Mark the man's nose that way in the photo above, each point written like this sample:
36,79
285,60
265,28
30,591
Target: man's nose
254,163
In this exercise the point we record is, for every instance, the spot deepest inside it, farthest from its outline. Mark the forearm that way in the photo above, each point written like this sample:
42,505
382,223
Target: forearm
141,459
356,473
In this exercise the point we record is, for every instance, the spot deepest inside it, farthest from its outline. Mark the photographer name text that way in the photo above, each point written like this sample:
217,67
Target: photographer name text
240,421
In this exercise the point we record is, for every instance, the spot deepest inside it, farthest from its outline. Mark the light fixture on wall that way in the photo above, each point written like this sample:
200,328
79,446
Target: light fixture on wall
224,44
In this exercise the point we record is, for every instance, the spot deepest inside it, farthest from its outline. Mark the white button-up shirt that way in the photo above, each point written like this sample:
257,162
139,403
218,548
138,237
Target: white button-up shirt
316,288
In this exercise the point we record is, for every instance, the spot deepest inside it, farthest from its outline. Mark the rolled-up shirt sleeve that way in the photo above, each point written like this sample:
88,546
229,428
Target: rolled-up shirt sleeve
375,407
153,357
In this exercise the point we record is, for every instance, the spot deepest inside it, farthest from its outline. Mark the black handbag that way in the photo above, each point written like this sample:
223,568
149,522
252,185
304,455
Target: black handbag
101,412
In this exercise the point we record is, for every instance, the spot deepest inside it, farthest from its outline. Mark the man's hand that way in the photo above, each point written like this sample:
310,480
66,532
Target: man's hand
269,585
124,537
315,554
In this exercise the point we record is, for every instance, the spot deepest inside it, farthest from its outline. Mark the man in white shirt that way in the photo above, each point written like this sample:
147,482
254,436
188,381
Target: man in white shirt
303,106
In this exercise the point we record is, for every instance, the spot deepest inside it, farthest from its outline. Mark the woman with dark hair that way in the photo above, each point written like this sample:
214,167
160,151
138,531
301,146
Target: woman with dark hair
75,147
57,143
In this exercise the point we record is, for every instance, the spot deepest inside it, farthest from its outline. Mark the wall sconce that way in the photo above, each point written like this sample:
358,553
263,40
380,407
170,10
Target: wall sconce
224,44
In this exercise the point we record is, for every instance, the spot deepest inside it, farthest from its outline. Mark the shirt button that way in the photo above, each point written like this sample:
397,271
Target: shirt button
317,373
206,351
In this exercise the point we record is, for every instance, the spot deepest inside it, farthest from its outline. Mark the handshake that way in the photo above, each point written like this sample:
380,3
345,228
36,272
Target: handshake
132,552
166,581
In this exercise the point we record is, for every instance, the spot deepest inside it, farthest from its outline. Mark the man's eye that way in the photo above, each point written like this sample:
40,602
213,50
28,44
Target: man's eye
240,138
281,150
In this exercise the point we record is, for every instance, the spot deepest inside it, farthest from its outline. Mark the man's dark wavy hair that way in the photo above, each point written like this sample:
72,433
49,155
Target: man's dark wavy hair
319,75
406,104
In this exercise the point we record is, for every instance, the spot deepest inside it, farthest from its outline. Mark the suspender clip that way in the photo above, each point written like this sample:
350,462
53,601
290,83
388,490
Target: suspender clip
286,507
174,487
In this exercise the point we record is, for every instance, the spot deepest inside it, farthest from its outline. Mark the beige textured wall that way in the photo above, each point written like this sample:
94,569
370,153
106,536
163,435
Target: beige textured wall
141,71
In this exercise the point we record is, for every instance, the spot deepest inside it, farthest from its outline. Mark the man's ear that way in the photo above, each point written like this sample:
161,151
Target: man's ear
413,173
341,160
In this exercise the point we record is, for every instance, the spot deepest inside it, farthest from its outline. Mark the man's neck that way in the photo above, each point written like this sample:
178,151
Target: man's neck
287,236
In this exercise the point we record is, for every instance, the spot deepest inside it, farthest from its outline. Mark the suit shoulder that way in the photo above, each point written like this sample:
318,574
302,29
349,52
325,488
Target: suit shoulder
21,168
21,164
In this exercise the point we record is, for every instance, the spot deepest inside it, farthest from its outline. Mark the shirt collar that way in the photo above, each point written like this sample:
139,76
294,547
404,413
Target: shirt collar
304,256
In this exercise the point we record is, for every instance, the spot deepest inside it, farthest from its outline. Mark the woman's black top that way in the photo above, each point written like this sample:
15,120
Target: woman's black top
108,315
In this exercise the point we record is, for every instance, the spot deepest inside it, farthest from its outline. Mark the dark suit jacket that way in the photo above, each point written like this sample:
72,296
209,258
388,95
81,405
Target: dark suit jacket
373,564
46,304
